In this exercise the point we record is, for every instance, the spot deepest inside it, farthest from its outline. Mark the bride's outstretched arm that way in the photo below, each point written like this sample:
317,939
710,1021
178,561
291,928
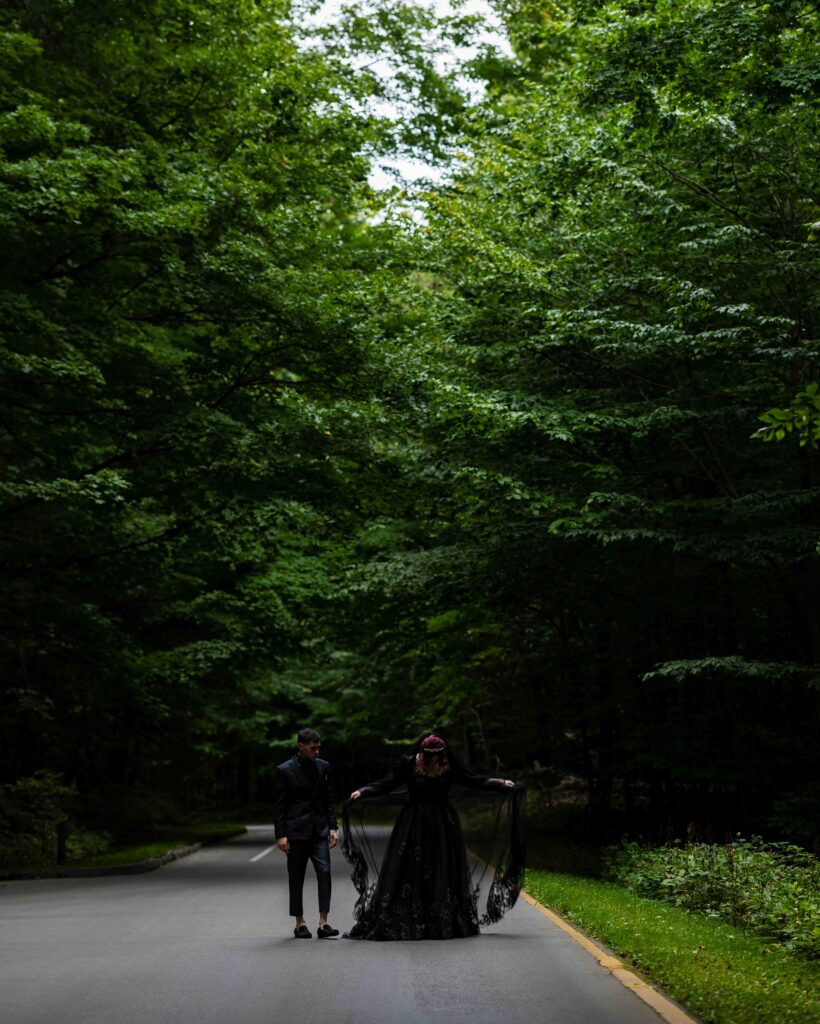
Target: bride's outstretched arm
385,785
475,780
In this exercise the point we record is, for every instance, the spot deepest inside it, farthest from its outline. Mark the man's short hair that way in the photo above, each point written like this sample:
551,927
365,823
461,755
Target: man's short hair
308,736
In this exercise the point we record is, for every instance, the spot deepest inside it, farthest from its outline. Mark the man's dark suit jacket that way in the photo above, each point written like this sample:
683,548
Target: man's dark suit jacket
303,801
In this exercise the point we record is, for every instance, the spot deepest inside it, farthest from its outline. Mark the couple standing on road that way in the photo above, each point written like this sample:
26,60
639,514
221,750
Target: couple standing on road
423,886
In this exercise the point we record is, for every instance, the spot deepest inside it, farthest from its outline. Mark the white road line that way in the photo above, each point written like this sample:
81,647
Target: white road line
264,853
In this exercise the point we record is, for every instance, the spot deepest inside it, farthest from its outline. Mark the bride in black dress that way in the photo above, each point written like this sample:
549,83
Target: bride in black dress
425,886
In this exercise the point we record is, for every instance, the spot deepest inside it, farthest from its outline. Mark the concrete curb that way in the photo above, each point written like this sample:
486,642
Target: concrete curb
663,1005
135,868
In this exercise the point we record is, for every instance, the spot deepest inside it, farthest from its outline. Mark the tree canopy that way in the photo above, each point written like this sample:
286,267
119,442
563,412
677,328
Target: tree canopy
488,454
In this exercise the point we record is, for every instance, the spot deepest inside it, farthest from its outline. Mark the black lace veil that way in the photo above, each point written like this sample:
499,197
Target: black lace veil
491,820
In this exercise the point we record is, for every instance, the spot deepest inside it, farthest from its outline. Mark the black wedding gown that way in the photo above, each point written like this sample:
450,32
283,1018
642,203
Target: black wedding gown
424,884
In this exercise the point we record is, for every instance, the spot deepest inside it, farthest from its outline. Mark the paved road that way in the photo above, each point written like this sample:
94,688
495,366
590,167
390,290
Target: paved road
205,940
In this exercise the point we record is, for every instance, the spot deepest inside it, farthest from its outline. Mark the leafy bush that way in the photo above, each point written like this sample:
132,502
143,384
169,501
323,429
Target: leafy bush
31,809
87,845
769,888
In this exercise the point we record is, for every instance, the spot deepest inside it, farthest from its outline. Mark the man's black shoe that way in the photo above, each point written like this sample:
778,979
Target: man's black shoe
325,931
302,932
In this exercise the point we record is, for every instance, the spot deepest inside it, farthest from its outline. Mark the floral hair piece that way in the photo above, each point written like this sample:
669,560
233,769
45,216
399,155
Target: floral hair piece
430,745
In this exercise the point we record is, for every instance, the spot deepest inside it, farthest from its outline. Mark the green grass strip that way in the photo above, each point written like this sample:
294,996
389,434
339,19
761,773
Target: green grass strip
170,841
719,973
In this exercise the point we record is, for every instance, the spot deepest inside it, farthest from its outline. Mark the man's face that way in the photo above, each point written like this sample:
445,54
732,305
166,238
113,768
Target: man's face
309,751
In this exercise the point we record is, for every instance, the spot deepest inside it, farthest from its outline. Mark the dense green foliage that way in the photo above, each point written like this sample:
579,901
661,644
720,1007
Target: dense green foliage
31,811
276,448
773,889
721,974
801,417
598,563
192,348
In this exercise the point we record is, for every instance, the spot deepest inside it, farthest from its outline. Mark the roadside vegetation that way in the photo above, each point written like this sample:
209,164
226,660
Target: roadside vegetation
165,841
720,973
728,930
772,889
41,826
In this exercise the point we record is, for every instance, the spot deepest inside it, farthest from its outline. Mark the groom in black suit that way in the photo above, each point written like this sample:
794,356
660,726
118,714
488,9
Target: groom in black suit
305,821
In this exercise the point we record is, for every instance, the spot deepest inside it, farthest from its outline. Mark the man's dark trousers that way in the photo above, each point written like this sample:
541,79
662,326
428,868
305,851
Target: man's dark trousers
301,851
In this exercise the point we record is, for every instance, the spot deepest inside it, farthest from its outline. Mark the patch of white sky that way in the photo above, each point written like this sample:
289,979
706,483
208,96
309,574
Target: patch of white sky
387,173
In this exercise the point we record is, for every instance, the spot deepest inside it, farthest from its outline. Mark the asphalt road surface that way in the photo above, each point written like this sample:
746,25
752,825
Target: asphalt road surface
207,940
